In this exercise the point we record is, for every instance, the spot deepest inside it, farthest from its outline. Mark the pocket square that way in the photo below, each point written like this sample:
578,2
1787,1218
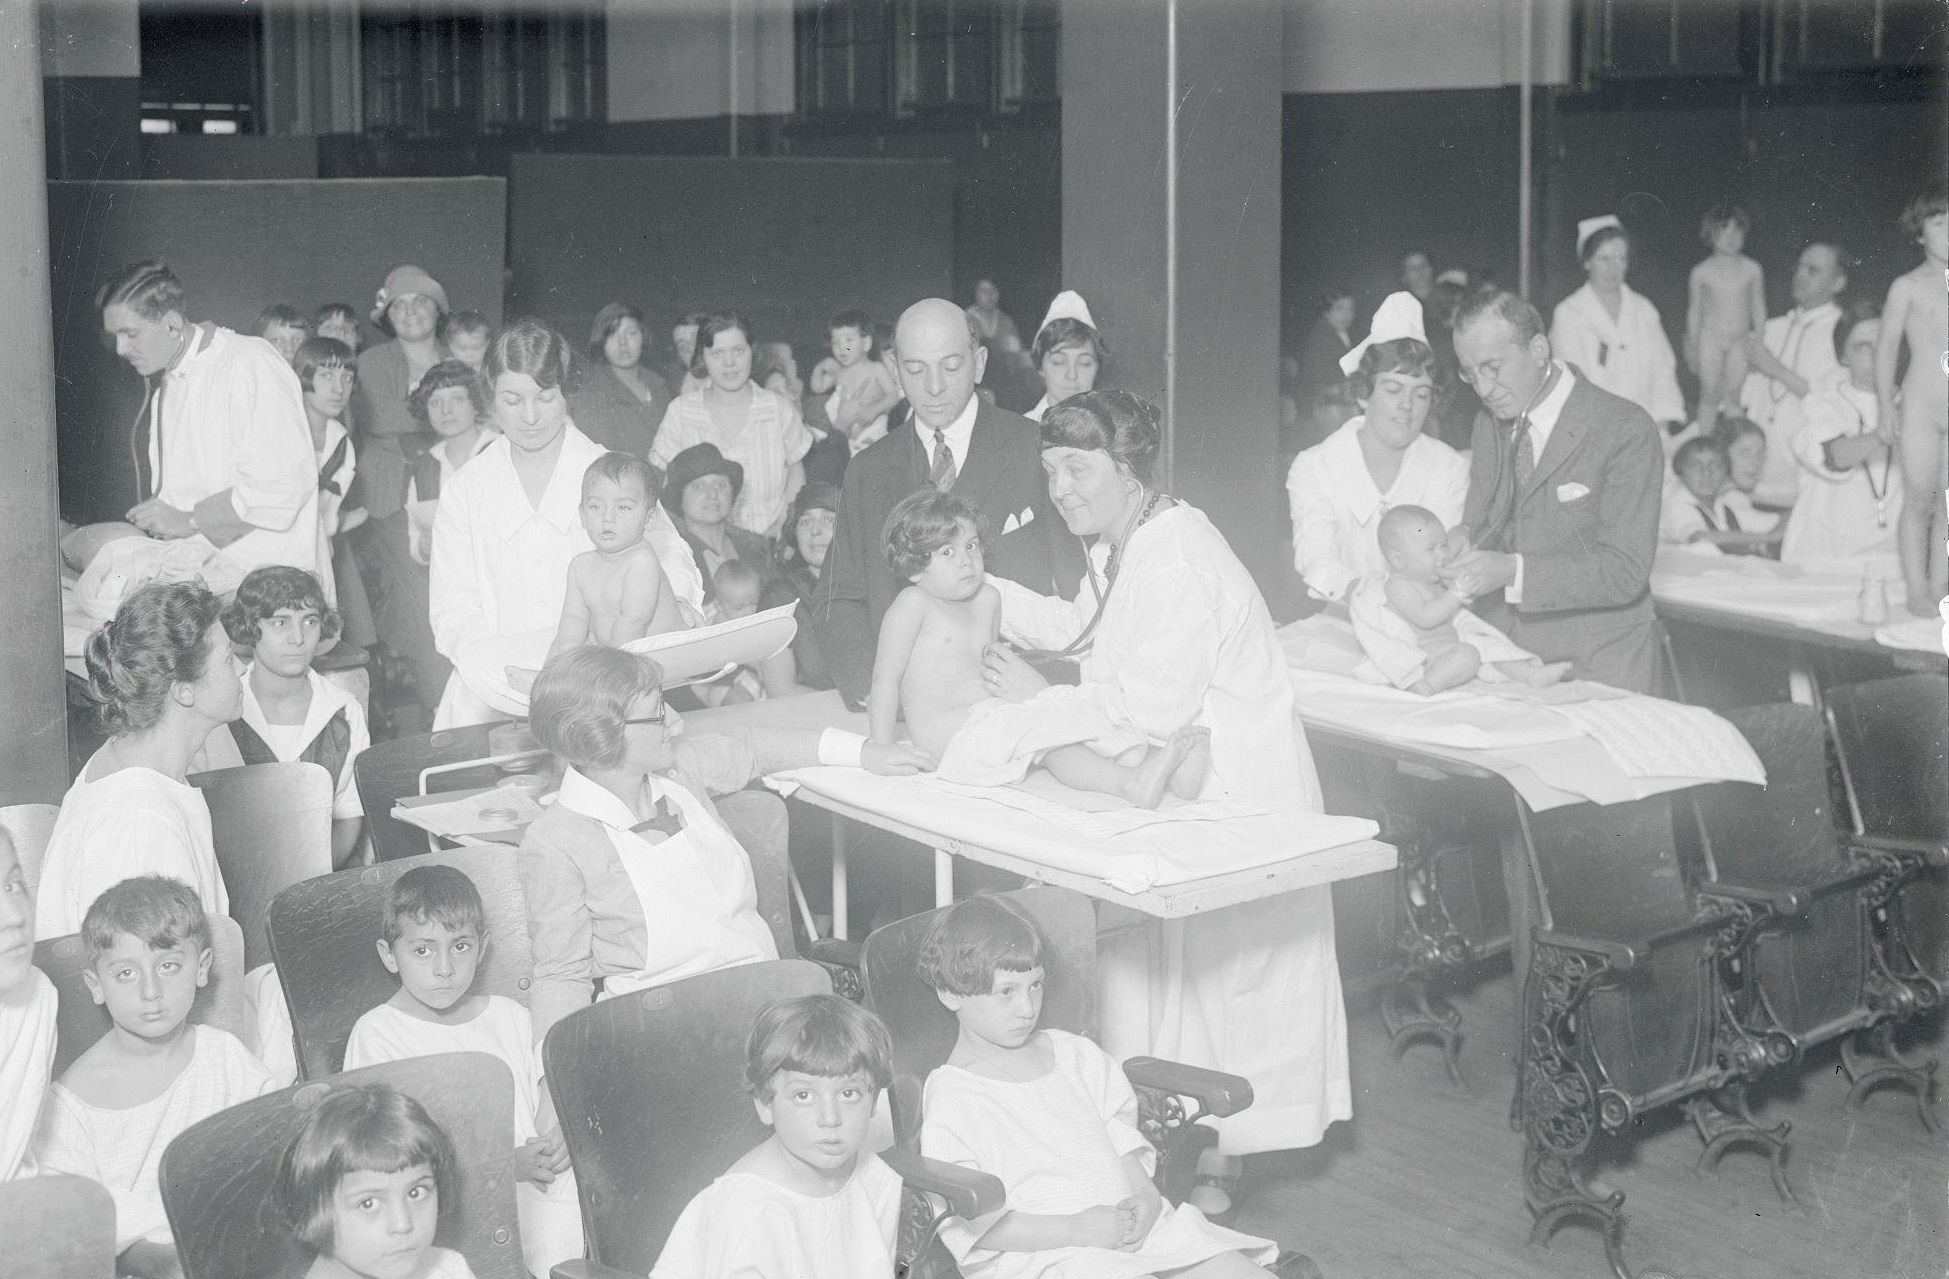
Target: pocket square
1571,492
1023,520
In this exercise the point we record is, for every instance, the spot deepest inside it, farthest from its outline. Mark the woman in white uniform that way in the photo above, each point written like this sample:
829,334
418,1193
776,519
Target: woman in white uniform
1613,335
509,523
1339,489
1850,480
1067,352
1181,636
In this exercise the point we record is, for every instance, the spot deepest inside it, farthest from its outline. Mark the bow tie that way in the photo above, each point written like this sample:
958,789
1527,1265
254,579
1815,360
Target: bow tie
665,820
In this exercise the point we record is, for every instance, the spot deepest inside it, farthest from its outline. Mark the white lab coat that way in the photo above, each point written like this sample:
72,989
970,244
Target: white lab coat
1253,989
233,417
1337,508
1629,357
1836,518
1804,342
500,563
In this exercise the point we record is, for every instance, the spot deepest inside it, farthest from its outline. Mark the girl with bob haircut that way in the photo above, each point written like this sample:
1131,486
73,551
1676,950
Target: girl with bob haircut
621,401
973,941
366,1159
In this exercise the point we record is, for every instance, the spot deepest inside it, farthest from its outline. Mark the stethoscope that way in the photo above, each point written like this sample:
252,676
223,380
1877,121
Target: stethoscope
1506,462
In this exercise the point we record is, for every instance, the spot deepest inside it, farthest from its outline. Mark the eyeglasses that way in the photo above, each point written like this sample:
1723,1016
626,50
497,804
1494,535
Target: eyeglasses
661,718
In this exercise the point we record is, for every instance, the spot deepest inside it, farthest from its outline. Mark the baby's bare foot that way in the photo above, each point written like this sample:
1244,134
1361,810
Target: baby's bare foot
1188,782
1538,674
1145,784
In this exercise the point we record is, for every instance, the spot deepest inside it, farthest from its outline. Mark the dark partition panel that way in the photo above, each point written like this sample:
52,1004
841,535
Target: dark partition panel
238,246
786,241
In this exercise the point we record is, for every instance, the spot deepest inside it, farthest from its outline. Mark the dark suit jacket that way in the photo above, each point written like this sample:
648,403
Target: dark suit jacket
1586,526
1002,477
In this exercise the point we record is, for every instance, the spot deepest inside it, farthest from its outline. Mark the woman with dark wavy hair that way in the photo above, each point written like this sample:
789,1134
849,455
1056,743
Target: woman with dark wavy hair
621,401
1383,458
163,676
1170,631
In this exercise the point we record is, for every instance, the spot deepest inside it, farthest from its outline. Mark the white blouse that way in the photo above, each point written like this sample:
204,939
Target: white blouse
1842,515
773,440
1630,356
1337,507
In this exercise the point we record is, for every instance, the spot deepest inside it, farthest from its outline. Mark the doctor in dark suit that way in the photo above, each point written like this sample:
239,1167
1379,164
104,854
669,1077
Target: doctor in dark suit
1562,509
955,441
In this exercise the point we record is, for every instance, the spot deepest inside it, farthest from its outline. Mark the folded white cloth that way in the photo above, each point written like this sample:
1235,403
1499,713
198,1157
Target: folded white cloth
1001,740
1651,737
1925,633
1166,850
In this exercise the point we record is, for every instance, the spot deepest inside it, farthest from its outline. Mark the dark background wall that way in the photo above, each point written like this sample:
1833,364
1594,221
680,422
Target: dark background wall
785,241
238,246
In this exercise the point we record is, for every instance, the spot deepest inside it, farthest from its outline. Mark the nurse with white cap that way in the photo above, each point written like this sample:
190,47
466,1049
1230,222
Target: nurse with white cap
1067,351
1611,335
1340,488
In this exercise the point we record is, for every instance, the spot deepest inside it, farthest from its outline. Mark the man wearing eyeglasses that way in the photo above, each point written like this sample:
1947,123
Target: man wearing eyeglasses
1562,511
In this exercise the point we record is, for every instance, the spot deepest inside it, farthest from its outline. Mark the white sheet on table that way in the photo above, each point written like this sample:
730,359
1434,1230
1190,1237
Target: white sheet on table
1927,634
1013,821
1764,588
1652,737
1464,720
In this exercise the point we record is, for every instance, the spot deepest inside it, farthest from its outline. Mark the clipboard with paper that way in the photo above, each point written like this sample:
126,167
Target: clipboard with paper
687,657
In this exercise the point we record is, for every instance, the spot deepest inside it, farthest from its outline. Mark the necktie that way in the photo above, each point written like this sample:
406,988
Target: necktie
1525,453
148,425
326,484
941,474
667,820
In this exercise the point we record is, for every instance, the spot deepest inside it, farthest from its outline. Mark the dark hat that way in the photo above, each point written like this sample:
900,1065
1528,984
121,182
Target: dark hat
817,495
694,463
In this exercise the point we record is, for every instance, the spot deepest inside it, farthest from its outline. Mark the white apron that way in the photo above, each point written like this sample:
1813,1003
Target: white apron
696,890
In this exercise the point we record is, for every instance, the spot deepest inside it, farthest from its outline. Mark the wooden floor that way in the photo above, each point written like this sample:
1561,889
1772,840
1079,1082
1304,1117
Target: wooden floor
1426,1180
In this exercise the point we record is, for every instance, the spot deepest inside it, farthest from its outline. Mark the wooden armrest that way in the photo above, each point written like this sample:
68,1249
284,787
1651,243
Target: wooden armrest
1620,954
833,950
584,1269
969,1194
1219,1093
1924,852
1774,901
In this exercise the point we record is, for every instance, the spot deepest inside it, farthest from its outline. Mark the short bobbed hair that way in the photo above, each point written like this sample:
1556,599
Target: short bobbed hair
975,939
1598,239
365,1128
582,698
316,353
1113,422
150,289
281,315
443,895
1524,320
816,1035
1924,206
1859,311
854,319
607,321
1696,447
265,592
1061,332
156,910
920,524
1731,428
1722,215
707,331
155,640
531,347
443,376
1396,355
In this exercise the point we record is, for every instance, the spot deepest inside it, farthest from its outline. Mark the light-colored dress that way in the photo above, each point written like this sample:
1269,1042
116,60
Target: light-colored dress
443,1263
1630,356
132,822
122,1149
1001,741
1057,1144
27,1014
742,1226
1337,507
773,439
551,1219
1850,515
1253,989
317,740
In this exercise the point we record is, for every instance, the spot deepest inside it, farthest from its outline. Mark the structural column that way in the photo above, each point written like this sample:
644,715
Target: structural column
1170,229
33,717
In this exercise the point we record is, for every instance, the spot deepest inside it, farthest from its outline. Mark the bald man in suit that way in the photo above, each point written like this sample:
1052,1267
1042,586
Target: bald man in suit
955,441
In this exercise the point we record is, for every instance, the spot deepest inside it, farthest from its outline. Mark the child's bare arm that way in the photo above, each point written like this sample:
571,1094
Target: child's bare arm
574,627
876,392
1424,610
1888,349
643,591
897,634
1755,297
824,374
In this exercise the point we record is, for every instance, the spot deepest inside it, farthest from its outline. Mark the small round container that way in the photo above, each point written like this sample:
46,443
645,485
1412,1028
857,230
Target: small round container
512,739
531,785
507,815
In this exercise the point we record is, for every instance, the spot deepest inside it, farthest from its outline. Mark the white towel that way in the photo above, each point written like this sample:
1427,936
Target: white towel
1389,640
1651,737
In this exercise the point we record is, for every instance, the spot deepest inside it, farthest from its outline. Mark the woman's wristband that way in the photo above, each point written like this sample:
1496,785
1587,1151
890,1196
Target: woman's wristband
841,748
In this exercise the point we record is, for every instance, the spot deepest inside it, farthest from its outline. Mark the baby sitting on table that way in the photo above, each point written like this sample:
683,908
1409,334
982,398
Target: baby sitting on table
1418,631
617,591
929,667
